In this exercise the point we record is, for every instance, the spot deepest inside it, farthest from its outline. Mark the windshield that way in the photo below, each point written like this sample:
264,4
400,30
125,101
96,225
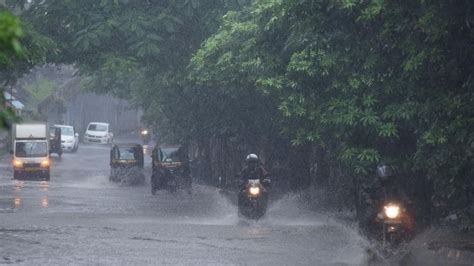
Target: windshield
67,131
97,127
128,154
169,154
31,149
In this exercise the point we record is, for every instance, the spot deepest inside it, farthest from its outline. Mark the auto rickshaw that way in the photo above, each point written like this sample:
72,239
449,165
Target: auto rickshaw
126,164
55,141
170,166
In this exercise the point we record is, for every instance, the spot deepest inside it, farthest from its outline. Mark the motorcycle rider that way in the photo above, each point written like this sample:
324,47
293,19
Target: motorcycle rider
145,135
252,170
385,187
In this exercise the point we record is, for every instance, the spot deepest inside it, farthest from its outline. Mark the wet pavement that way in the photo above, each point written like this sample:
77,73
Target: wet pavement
79,217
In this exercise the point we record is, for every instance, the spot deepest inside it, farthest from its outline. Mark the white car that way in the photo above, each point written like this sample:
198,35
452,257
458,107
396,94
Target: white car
69,138
98,133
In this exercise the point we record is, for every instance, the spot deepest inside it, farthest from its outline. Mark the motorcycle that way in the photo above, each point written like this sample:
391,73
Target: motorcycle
395,222
145,136
253,198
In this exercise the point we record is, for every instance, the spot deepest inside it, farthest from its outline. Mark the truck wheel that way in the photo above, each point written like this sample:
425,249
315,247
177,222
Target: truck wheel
47,177
16,175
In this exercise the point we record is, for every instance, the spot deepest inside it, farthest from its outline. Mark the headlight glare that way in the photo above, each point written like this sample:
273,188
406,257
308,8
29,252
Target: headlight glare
392,211
45,163
17,163
254,191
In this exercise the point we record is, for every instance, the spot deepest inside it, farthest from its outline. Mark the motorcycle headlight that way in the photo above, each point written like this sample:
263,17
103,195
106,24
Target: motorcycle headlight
392,211
254,191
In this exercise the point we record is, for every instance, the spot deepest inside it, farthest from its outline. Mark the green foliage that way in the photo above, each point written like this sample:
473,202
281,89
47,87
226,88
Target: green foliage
137,50
369,80
10,34
39,91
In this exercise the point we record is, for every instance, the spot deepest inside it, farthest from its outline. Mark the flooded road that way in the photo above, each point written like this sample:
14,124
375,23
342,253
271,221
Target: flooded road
79,217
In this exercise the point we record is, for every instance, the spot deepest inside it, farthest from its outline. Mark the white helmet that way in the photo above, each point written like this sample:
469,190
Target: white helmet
252,158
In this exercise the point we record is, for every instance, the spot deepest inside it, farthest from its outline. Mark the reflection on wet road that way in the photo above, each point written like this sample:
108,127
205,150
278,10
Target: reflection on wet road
79,217
38,199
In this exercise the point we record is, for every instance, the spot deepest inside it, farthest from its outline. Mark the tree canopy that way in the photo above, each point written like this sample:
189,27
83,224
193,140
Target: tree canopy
370,81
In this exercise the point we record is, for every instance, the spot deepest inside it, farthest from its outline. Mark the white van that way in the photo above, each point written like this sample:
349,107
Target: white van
30,150
98,132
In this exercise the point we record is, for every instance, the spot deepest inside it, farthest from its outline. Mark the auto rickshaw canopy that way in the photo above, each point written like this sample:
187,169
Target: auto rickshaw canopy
169,156
128,154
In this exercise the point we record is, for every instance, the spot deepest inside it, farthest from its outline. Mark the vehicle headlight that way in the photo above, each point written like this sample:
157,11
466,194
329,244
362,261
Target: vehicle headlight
144,132
17,163
45,163
392,211
254,190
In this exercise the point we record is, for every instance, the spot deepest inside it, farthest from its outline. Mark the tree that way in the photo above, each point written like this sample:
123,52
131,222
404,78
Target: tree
10,33
366,81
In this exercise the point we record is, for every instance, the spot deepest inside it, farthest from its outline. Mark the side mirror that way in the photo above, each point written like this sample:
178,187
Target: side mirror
11,152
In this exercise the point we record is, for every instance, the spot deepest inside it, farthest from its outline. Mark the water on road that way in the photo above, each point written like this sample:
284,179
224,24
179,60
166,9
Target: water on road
79,217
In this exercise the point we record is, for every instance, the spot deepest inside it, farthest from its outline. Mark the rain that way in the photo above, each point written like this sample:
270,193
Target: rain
225,132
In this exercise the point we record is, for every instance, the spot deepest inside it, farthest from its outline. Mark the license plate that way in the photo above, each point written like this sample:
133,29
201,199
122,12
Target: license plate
32,169
393,222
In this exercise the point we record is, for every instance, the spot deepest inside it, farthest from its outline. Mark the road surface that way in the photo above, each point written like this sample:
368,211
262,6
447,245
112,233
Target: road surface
79,217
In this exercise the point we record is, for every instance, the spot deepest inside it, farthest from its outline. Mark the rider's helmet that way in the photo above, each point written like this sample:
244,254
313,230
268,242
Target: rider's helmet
384,172
252,160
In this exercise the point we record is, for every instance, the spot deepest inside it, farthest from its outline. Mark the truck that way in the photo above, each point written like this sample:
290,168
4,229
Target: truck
30,151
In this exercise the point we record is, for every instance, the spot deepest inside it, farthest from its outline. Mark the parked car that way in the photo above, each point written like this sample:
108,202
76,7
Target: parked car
99,133
69,138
